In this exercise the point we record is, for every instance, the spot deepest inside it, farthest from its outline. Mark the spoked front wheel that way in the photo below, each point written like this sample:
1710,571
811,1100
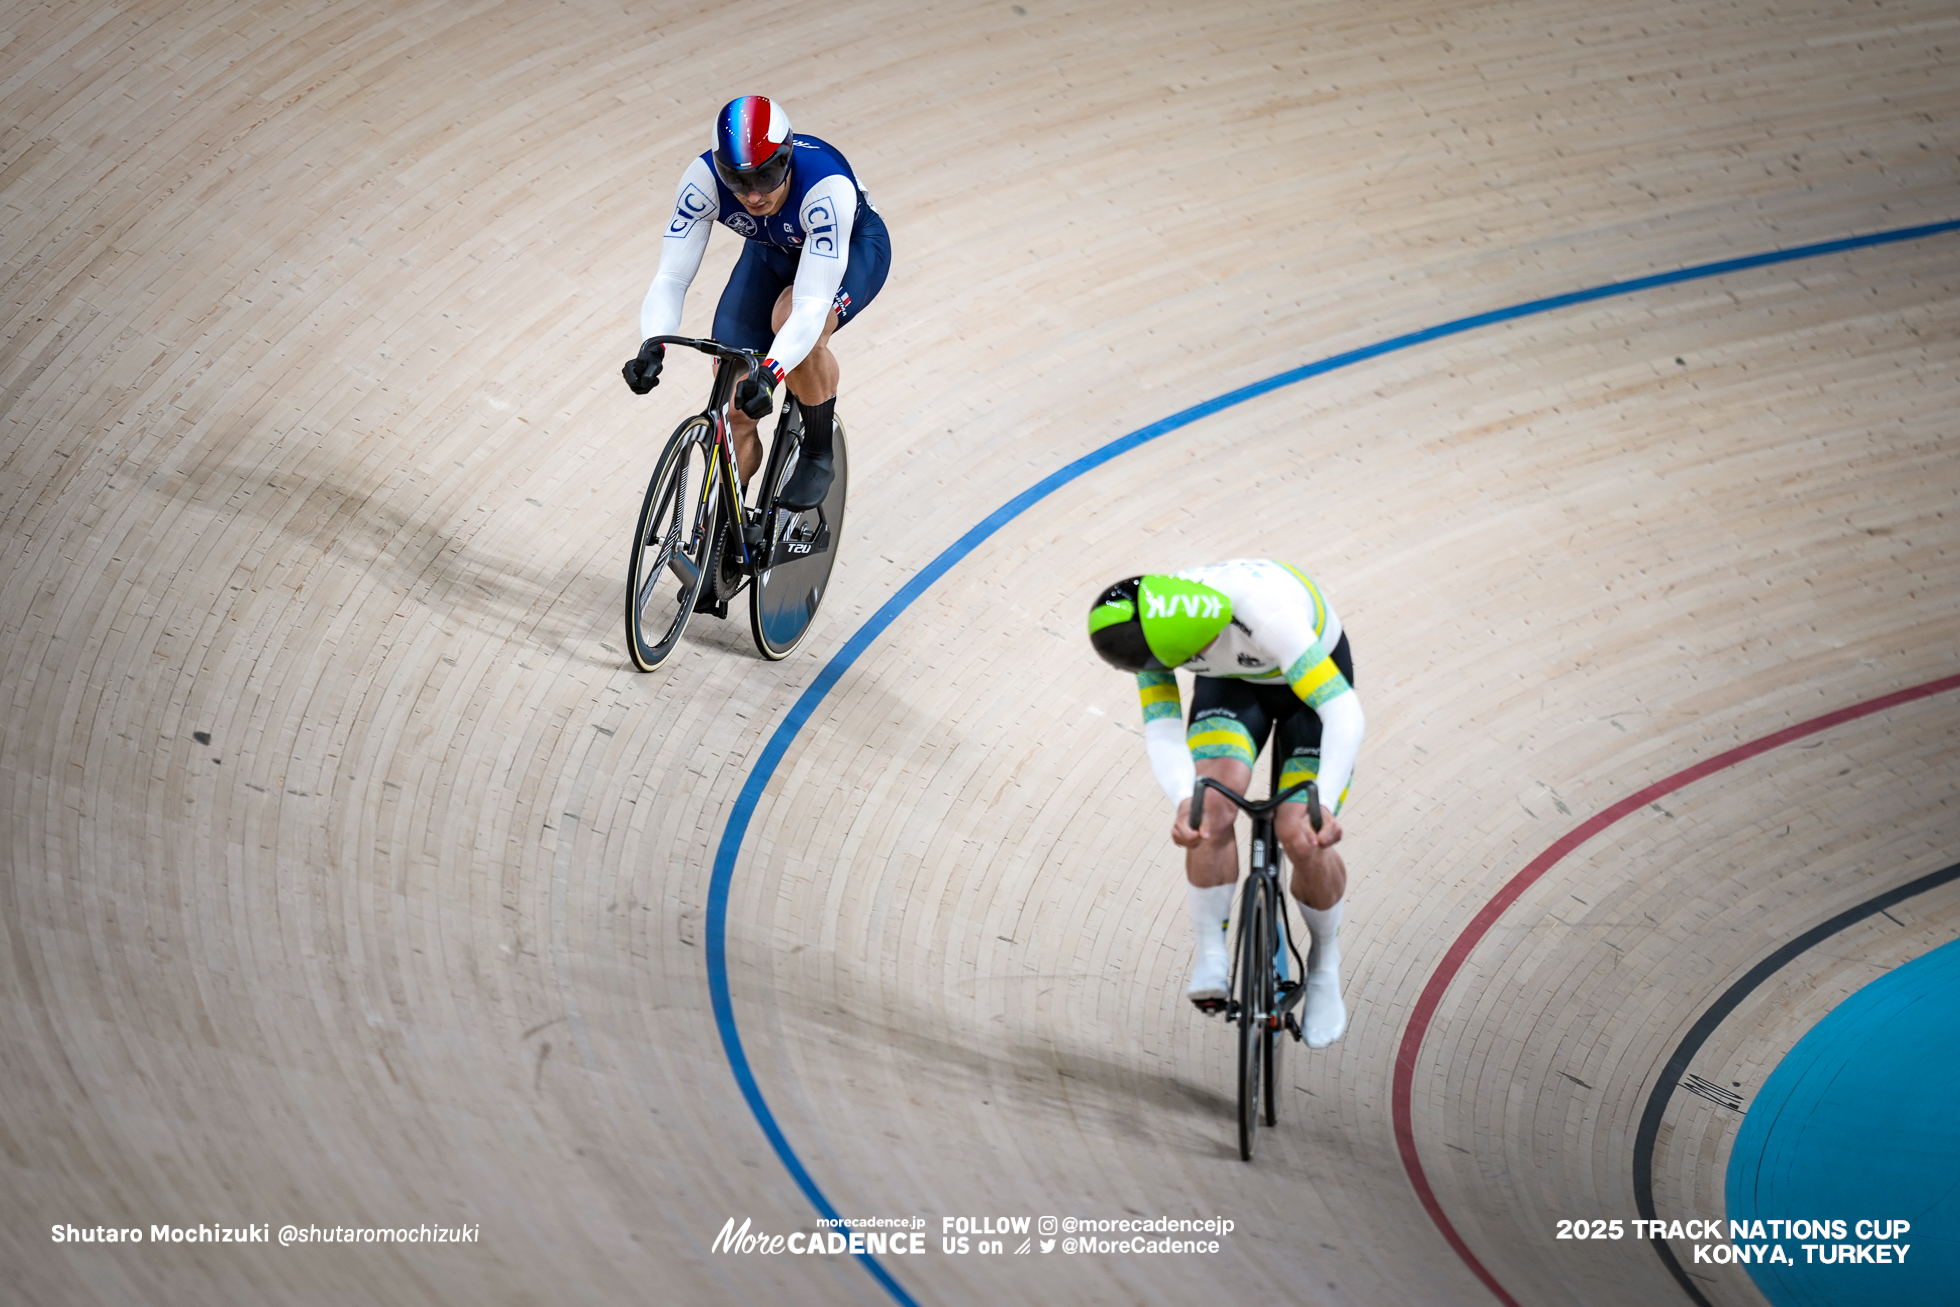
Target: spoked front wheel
1255,1007
673,545
793,562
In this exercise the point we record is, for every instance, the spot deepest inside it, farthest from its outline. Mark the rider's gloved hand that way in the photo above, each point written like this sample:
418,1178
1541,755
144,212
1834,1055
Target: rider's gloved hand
642,372
754,397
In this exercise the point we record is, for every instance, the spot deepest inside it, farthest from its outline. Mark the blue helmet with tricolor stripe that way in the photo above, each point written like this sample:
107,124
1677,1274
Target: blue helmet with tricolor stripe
752,145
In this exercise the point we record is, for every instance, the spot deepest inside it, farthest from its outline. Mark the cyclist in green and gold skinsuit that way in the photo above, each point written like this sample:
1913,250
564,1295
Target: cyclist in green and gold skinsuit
1270,655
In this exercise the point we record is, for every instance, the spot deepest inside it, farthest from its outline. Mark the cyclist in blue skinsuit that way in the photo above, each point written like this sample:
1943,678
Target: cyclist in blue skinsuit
816,255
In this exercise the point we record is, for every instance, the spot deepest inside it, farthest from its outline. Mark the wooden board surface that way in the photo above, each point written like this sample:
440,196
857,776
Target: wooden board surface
312,442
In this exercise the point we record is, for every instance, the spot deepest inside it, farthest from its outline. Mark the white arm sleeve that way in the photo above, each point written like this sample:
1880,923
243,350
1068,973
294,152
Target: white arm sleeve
1287,635
680,251
829,209
1170,757
1342,725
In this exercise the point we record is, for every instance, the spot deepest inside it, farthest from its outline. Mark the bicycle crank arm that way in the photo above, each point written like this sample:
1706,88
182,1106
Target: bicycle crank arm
755,524
682,568
799,542
792,547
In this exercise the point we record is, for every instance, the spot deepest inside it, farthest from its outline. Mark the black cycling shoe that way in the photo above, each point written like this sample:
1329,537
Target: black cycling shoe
810,482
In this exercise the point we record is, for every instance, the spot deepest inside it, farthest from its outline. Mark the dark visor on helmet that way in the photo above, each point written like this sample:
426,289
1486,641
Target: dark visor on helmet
759,180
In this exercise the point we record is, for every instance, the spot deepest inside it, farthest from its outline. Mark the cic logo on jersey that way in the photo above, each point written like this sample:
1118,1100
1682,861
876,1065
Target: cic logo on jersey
820,220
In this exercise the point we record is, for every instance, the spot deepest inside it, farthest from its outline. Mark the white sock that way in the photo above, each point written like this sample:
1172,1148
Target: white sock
1324,924
1325,1018
1211,908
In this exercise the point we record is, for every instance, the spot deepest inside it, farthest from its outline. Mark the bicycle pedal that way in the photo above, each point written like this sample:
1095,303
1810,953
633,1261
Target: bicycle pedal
1211,1007
707,603
1293,1027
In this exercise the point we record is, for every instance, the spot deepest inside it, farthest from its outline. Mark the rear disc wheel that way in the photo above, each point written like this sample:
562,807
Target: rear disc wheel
793,562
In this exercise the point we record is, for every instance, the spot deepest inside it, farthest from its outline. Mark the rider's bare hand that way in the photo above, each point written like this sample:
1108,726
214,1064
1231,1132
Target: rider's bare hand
1182,834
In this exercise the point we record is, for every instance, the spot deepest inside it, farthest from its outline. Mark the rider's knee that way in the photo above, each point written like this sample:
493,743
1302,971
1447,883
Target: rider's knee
1219,831
1306,854
1290,824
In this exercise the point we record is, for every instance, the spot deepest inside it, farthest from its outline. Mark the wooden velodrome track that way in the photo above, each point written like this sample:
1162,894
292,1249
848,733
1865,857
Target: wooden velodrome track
351,878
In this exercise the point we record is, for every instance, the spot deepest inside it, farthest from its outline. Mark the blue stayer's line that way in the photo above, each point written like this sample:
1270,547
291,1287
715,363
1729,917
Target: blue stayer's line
723,875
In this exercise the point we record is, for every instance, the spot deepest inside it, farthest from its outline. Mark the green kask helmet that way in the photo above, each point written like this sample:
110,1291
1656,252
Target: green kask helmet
1154,623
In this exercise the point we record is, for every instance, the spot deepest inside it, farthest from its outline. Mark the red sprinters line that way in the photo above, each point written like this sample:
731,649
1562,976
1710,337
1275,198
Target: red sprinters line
1473,934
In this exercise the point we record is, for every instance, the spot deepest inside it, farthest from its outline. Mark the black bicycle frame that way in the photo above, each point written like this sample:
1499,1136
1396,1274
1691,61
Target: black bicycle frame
1265,862
720,395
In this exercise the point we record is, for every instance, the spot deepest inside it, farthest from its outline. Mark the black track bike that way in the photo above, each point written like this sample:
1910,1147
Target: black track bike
697,545
1264,989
